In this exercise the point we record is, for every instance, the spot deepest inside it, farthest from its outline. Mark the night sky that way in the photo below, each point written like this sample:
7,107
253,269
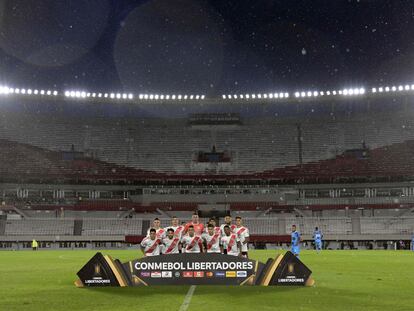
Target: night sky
212,47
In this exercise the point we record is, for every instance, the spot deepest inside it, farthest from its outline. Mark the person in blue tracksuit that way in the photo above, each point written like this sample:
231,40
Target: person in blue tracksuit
317,238
295,241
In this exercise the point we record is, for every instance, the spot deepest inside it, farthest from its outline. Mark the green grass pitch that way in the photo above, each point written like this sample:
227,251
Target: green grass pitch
345,280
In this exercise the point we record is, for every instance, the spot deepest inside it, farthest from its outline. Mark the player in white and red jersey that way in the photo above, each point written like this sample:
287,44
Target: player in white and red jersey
211,240
197,225
171,243
227,222
230,242
175,225
215,228
160,232
243,236
192,243
150,246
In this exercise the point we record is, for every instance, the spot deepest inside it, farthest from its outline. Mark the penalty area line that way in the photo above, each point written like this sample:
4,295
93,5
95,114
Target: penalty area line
187,298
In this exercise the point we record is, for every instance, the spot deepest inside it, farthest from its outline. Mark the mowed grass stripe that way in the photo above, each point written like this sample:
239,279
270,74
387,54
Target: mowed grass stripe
345,280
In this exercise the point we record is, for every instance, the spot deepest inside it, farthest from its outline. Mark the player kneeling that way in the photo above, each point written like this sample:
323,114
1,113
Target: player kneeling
171,243
191,243
211,239
230,242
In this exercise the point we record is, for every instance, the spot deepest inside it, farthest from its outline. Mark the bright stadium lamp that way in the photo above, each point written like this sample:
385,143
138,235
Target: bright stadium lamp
118,96
173,96
185,96
17,91
270,95
29,91
297,94
197,97
361,90
167,96
141,96
302,94
37,92
49,92
161,96
387,89
83,94
394,88
55,93
412,86
179,96
156,96
106,95
93,94
192,96
241,96
124,96
333,92
315,93
247,96
264,95
151,97
380,89
345,92
23,91
374,90
99,94
223,96
67,93
407,87
253,95
281,95
309,94
328,93
259,95
400,88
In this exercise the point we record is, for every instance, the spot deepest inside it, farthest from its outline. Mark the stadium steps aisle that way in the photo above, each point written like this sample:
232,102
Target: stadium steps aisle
3,224
77,228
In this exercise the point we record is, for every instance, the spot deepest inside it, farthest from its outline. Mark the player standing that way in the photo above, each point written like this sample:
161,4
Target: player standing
230,242
150,246
160,232
227,222
175,225
317,238
171,243
243,236
212,221
197,225
412,243
192,243
295,241
211,240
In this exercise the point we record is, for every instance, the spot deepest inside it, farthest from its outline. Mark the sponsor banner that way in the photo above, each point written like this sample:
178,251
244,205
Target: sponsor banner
188,274
156,274
220,274
241,274
193,269
198,274
230,274
166,274
197,269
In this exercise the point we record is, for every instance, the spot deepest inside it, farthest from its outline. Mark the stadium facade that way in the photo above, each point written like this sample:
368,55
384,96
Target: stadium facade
92,171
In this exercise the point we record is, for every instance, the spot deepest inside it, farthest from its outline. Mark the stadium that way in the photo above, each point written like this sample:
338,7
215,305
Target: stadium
84,171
